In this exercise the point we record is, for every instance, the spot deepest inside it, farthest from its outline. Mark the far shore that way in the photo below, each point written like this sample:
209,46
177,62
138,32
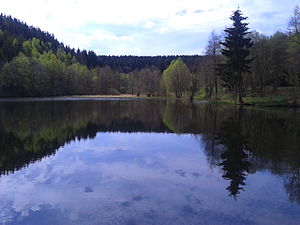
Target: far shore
70,97
103,96
249,101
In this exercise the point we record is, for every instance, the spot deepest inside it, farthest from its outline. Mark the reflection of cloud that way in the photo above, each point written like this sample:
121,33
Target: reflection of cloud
198,11
157,178
181,13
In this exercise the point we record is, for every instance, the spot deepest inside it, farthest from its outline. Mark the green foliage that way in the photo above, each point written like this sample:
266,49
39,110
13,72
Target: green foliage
27,48
38,72
200,96
177,78
15,76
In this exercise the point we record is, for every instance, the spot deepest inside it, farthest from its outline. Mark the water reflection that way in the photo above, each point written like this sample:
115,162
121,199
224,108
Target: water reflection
235,156
32,130
147,162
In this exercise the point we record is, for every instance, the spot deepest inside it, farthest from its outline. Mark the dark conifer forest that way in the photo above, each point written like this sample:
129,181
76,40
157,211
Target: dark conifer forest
34,63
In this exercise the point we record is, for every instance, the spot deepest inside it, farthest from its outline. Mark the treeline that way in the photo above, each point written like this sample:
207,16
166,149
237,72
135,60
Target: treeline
15,32
34,63
38,71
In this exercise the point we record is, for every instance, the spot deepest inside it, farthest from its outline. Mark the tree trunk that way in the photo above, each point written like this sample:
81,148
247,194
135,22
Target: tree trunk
139,92
216,85
240,102
191,97
240,90
215,76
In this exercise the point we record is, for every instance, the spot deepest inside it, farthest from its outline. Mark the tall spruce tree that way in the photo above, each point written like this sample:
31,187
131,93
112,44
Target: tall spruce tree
236,50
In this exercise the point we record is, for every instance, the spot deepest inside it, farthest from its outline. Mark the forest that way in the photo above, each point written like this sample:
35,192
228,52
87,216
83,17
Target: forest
34,63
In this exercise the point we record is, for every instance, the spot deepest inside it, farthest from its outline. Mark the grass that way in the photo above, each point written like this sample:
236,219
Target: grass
200,96
270,100
285,97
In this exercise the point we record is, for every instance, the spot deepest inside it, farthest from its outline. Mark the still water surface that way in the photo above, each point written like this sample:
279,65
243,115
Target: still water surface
147,162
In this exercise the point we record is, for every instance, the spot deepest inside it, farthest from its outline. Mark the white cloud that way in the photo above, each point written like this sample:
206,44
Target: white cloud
149,24
66,19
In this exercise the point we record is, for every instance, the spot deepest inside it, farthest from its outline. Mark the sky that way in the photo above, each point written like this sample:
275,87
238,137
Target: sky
144,27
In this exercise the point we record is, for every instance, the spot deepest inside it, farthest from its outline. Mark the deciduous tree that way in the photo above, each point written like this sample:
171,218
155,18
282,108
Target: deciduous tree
177,78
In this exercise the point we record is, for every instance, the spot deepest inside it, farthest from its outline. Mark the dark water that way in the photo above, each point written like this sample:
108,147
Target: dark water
147,162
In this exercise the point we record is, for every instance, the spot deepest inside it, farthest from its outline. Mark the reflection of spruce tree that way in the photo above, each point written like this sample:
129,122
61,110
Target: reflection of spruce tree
293,186
234,158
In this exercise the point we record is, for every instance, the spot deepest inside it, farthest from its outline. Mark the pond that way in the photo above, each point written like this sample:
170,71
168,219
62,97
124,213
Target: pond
147,162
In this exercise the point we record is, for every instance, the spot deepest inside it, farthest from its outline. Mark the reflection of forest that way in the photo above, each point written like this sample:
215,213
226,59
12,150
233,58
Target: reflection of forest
239,141
32,130
245,141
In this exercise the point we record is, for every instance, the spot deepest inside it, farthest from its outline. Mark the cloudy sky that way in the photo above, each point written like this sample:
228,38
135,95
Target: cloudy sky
143,27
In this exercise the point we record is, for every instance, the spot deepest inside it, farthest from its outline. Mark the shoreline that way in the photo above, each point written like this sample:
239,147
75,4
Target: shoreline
265,103
70,97
102,96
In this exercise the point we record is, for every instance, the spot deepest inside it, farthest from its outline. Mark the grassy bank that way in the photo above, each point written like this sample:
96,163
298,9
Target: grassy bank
270,101
284,97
